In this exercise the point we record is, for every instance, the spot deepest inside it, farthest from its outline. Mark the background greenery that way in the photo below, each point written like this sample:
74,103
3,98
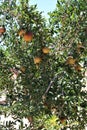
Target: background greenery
49,94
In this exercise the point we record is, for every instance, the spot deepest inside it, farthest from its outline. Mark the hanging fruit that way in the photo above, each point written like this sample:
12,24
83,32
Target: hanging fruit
28,36
45,50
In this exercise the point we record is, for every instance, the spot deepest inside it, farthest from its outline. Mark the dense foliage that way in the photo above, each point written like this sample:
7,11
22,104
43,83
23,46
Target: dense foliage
43,65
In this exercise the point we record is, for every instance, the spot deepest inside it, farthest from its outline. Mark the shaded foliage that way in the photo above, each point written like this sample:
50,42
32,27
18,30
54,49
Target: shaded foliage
48,93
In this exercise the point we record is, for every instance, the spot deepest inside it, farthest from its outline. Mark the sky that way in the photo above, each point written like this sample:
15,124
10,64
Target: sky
44,5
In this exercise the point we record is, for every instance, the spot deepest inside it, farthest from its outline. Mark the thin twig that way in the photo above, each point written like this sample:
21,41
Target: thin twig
52,81
50,84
